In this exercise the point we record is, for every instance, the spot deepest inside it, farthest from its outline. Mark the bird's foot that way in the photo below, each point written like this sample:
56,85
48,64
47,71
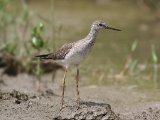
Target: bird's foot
78,104
62,107
77,107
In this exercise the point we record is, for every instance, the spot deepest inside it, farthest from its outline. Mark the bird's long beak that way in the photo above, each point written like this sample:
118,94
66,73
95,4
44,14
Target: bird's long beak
112,28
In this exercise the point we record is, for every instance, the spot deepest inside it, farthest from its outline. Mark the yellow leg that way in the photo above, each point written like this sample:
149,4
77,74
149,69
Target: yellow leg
63,86
77,80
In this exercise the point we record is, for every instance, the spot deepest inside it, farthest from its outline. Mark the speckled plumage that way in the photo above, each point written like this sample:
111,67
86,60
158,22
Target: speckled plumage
59,54
75,53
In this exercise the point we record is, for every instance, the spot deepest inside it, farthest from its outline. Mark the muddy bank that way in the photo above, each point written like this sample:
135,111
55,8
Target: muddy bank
20,100
16,105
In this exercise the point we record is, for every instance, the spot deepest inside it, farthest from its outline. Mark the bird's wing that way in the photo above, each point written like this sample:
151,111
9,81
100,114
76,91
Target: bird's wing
59,54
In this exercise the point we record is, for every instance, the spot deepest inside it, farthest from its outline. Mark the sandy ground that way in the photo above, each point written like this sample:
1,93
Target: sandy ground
19,100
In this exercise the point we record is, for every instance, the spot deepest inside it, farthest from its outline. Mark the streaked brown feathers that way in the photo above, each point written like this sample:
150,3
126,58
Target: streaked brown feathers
59,54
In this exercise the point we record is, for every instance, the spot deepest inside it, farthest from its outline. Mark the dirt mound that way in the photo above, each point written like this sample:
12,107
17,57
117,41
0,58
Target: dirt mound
88,111
19,97
16,105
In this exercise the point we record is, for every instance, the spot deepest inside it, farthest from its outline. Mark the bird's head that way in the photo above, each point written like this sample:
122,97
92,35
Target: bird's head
99,24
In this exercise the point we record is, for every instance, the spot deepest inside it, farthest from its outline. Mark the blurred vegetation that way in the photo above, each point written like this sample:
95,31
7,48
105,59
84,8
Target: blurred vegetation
21,39
24,32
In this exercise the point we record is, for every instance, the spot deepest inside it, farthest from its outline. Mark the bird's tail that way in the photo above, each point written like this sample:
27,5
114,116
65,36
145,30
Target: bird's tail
43,57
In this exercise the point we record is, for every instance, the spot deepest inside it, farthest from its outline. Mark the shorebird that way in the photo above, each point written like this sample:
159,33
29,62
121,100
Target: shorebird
74,54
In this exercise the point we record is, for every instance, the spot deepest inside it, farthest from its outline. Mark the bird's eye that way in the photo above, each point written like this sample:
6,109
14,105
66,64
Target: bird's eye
100,24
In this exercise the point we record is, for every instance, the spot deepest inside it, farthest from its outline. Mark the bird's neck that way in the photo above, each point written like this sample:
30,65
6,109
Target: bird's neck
91,37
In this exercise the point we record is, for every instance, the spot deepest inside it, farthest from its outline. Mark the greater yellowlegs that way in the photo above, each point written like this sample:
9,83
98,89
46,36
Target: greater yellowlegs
74,53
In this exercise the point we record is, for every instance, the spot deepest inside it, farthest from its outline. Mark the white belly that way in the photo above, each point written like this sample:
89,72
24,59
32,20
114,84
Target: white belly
77,55
75,59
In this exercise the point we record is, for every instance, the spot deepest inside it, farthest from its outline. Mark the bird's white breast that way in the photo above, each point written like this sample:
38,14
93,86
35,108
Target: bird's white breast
78,53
